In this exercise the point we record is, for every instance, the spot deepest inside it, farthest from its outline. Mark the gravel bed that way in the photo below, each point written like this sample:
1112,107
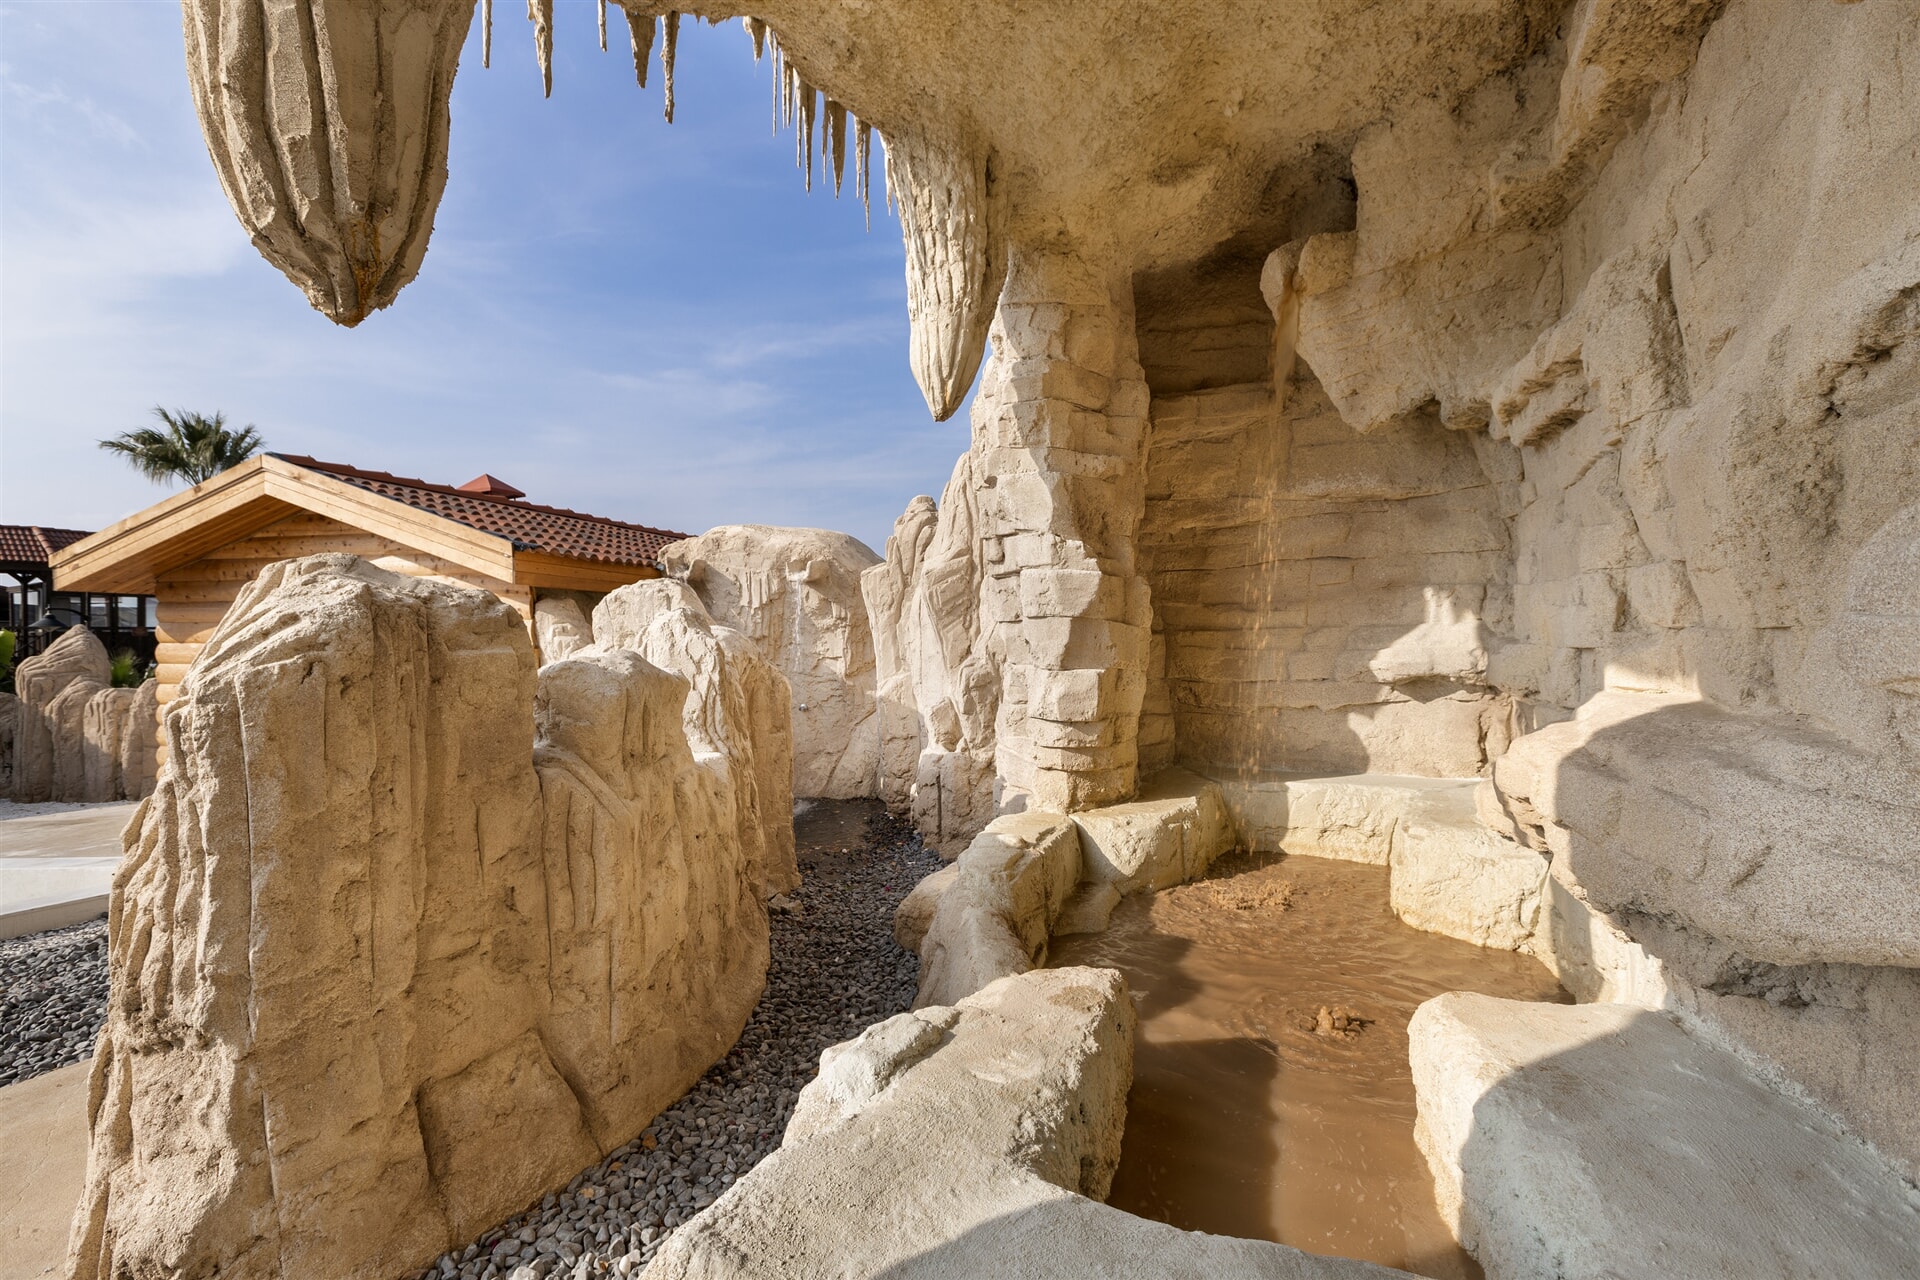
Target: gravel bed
53,998
835,970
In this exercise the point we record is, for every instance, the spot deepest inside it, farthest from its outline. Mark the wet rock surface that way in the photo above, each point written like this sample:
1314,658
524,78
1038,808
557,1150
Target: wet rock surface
836,969
53,998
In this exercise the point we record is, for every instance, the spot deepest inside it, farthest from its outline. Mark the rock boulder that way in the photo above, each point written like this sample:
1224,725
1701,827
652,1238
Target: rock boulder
796,594
400,941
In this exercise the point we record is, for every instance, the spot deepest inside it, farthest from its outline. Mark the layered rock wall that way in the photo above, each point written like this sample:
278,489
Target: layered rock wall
1018,621
404,938
1696,346
1325,599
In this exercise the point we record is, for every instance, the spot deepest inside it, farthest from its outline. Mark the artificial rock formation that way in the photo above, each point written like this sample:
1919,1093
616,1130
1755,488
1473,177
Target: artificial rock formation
72,736
1375,388
796,593
973,1139
737,711
560,628
1606,1141
404,938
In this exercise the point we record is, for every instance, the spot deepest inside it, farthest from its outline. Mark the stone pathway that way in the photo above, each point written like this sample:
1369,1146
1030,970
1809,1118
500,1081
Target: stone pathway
835,971
53,998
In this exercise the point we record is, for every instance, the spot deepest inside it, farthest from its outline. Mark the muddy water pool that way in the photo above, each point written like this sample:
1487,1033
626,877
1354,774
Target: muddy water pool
1272,1097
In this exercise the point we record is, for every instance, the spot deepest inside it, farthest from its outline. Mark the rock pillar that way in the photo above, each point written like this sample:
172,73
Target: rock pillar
1062,423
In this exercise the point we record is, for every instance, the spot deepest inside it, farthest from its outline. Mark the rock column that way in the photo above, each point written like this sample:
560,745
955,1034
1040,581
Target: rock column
1062,422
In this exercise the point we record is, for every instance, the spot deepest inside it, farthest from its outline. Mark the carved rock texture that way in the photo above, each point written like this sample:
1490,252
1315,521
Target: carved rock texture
796,594
385,966
560,628
975,1139
1562,1139
328,123
72,738
956,259
737,712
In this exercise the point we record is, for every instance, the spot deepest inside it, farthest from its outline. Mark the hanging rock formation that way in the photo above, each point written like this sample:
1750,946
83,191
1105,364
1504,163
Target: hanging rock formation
385,964
328,127
796,594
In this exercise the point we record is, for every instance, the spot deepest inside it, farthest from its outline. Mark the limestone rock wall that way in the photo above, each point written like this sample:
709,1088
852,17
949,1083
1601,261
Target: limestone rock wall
73,738
796,594
736,714
560,627
1016,622
1695,352
937,686
404,938
1326,599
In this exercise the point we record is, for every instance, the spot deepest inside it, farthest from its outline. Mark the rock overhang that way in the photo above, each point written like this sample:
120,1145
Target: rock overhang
1146,136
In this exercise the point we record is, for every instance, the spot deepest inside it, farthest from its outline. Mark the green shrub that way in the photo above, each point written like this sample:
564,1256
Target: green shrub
6,661
126,670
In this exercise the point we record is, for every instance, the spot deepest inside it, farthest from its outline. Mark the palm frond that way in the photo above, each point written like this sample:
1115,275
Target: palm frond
192,448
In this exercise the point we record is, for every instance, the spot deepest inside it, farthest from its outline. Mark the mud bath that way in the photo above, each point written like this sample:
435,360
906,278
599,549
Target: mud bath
1272,1097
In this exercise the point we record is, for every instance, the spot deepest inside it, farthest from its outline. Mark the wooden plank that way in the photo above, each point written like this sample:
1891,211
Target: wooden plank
173,613
562,573
364,509
125,556
221,593
171,654
185,632
262,548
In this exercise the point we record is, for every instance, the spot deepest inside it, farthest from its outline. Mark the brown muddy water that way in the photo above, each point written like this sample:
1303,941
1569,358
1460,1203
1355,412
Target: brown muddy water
1271,1093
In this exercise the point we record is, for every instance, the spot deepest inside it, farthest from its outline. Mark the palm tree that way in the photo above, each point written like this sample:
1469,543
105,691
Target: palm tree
192,448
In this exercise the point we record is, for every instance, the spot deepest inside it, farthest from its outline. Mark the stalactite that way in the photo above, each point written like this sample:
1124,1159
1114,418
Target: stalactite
835,140
666,59
297,152
640,32
540,13
809,110
758,30
779,84
603,25
956,260
863,167
486,33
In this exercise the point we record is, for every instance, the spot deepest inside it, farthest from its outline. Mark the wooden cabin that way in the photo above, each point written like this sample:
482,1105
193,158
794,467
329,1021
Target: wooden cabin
196,550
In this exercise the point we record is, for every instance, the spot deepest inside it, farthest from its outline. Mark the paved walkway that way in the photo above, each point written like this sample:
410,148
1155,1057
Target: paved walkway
57,862
43,1130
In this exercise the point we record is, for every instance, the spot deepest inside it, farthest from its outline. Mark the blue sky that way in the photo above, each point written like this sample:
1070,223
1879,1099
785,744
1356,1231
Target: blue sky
640,320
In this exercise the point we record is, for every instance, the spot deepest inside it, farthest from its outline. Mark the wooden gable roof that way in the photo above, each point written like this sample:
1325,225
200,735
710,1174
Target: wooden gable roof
493,536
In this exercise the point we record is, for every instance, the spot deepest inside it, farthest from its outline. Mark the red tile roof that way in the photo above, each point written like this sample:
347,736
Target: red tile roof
33,544
528,525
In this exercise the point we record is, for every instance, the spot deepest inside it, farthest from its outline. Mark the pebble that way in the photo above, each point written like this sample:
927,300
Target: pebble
835,971
53,998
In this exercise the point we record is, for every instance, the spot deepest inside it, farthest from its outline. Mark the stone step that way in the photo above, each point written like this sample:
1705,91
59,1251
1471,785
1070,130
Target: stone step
1604,1142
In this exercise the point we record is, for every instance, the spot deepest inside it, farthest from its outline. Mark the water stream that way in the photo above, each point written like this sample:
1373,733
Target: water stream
1272,1097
